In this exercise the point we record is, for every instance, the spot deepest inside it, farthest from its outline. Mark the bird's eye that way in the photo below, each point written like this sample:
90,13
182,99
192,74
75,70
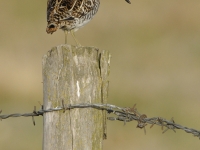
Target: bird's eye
52,26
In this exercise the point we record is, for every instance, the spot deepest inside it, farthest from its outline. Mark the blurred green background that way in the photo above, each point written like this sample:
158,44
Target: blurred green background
155,47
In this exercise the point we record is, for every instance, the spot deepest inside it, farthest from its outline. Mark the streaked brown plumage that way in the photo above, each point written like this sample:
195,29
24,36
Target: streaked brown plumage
70,15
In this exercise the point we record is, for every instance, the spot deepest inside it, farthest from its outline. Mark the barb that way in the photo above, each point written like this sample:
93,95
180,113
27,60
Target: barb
121,114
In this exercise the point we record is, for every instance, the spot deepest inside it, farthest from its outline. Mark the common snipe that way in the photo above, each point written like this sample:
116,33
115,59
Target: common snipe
70,15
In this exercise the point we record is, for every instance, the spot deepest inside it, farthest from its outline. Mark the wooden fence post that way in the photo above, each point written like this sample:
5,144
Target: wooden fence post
75,75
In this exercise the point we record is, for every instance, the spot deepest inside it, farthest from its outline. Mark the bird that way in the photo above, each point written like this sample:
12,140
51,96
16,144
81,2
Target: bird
70,15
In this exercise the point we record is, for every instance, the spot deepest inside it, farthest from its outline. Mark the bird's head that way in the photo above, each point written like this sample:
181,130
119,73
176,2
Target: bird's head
51,28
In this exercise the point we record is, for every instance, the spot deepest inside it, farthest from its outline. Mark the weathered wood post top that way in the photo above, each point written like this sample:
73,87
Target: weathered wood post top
75,75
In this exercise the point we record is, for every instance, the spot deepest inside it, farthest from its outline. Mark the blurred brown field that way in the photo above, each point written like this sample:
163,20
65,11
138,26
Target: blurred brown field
155,47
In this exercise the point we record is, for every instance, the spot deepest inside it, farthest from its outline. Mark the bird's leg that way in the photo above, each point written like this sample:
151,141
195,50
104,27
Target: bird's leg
66,32
73,35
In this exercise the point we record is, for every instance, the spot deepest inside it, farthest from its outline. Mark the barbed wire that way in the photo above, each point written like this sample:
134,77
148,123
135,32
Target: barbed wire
126,114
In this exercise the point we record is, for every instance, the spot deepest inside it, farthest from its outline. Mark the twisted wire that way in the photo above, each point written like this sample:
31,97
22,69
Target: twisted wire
121,114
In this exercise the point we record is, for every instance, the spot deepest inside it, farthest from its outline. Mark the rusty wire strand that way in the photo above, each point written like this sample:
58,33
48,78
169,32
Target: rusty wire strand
121,114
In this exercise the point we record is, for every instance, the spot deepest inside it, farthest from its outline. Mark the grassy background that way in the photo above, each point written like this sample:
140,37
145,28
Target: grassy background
155,47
